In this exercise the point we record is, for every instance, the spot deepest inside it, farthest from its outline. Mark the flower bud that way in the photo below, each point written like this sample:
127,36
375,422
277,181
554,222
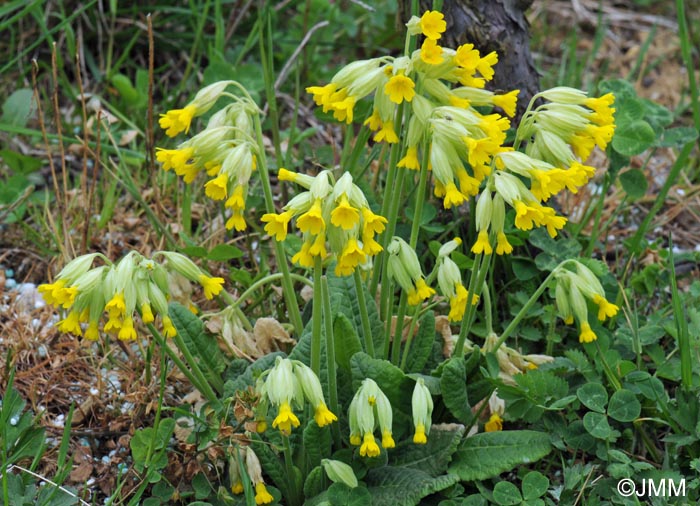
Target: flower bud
339,472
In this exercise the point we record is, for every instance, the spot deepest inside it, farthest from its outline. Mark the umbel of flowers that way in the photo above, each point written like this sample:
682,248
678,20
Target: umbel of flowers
330,213
405,269
225,150
254,473
370,408
287,385
120,291
572,290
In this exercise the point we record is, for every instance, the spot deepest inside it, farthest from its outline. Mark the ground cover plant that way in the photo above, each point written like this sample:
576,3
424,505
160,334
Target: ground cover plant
277,275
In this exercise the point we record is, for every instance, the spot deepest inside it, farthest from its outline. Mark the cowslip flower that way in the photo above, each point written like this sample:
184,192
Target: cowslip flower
178,120
422,405
450,281
405,270
262,496
368,408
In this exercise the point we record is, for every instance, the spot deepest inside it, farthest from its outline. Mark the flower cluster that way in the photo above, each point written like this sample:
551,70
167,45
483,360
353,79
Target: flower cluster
254,472
134,284
334,213
288,384
404,269
370,408
225,150
422,405
450,281
572,290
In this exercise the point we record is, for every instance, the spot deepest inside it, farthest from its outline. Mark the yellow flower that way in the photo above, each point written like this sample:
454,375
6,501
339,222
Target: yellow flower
419,437
587,335
285,419
605,309
400,88
344,215
236,221
217,188
343,109
350,258
582,145
503,247
355,439
431,53
467,57
420,293
177,120
168,328
147,313
387,133
552,221
277,224
374,121
312,220
369,447
526,216
236,201
507,102
174,158
600,134
237,488
373,223
93,332
212,286
387,440
453,197
410,161
323,415
485,65
262,496
458,303
303,257
482,244
116,305
71,324
432,24
127,332
318,248
494,424
370,246
322,93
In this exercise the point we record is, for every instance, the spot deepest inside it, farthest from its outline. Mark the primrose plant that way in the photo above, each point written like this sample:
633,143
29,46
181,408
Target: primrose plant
354,401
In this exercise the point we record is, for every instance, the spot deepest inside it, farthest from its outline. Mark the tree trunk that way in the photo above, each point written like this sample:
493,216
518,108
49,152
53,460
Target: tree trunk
492,25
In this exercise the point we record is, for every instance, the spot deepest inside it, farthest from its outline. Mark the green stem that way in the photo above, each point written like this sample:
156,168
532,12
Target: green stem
187,209
409,336
481,268
316,318
598,213
268,279
287,286
528,305
488,314
608,370
265,42
289,464
398,331
364,316
192,362
389,234
420,198
686,52
204,388
387,326
156,422
682,335
330,358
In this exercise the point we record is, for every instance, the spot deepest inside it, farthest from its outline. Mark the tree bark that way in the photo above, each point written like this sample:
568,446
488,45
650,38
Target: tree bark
492,25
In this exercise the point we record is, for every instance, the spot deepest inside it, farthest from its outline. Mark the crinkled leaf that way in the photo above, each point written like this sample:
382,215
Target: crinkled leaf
393,382
313,485
394,486
340,494
677,137
317,443
489,454
432,457
453,384
422,344
347,342
251,373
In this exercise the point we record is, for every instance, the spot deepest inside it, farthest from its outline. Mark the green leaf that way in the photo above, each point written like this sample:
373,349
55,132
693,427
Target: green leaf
422,344
489,454
678,137
593,396
535,485
629,110
453,384
223,252
313,485
432,457
251,373
624,406
340,494
18,107
634,183
506,494
317,443
347,342
393,382
195,251
597,425
633,138
393,486
621,88
204,348
272,465
19,163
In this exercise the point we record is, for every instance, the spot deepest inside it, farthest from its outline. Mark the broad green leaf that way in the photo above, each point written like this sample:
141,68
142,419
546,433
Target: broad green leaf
535,485
393,382
195,251
272,464
593,396
340,494
634,183
422,344
313,485
223,252
633,138
204,348
624,406
489,454
453,384
18,107
657,115
621,88
577,437
347,342
506,494
317,443
251,373
678,137
432,457
19,163
394,486
524,269
597,425
629,110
